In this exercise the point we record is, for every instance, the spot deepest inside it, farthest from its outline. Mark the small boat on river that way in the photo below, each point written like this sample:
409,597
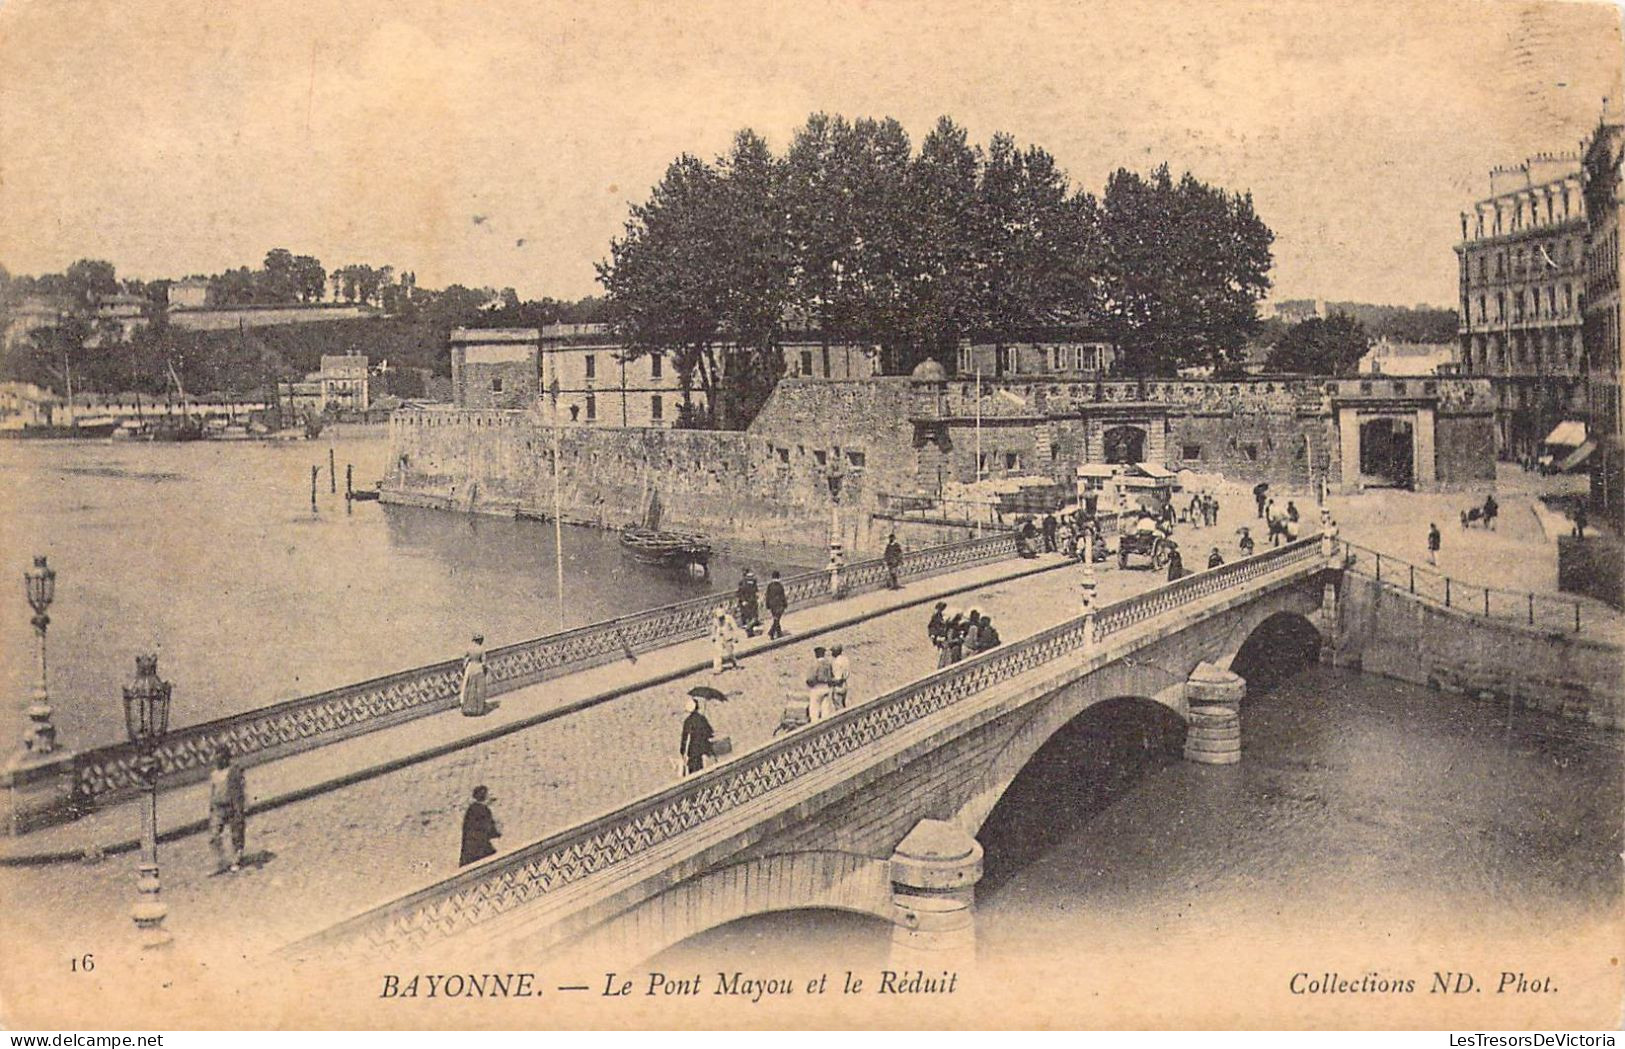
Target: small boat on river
649,544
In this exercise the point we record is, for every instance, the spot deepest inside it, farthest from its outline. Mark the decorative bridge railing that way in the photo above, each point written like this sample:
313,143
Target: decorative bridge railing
325,717
484,892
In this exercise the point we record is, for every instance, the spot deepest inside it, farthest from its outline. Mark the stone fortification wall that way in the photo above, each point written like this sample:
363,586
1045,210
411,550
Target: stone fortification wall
768,484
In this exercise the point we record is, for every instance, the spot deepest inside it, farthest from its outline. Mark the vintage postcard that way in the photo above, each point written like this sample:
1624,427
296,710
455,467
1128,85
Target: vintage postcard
840,514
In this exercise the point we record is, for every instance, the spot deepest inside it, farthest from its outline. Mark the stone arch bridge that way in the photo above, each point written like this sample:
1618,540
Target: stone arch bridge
873,811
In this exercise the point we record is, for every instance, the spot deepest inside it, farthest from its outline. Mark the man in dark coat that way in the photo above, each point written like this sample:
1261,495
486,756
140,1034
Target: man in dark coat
1049,533
479,828
695,745
894,562
1176,565
1215,559
1259,495
777,602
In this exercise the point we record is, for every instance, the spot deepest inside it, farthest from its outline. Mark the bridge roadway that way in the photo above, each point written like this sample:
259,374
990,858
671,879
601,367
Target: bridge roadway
315,862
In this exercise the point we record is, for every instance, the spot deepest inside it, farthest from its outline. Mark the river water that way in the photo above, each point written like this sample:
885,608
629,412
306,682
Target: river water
1369,816
210,553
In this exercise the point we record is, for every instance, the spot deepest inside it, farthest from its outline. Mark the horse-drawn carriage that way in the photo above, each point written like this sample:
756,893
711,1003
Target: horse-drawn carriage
1154,544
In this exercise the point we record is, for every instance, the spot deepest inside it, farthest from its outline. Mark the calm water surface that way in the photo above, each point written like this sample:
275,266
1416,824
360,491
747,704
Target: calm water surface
1362,804
210,553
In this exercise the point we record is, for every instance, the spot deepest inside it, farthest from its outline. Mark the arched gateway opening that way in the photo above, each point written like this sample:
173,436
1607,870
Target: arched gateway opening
1086,765
1387,453
1277,648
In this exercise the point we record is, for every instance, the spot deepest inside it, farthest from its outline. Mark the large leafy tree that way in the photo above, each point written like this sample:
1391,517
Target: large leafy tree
1185,264
1332,346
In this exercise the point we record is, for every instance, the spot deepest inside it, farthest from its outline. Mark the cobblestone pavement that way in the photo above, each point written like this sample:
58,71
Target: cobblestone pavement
314,862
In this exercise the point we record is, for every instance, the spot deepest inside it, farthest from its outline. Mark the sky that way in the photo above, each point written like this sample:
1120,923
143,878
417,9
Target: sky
501,143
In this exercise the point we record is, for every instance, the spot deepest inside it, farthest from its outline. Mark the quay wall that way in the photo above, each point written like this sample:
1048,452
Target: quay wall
768,484
1385,631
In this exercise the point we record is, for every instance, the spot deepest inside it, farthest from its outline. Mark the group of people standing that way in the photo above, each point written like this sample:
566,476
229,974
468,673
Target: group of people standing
960,633
1203,511
749,600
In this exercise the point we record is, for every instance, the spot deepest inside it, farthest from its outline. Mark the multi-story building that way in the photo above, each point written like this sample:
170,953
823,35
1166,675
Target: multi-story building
1069,354
495,367
1522,280
1601,172
588,379
345,382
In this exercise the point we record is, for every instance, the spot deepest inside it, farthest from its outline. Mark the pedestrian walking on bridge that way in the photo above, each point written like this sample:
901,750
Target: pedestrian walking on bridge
228,811
480,828
694,746
724,642
471,697
894,562
777,604
840,669
1434,539
820,680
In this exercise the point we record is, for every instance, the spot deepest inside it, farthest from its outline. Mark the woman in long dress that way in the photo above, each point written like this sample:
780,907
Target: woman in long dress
473,690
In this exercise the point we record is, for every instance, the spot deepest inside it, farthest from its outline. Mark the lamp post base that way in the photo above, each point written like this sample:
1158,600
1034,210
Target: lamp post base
38,789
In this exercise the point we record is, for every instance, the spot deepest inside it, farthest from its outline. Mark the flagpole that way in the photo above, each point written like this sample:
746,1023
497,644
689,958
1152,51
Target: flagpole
558,523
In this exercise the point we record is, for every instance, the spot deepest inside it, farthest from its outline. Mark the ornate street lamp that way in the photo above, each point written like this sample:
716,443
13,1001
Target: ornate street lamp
39,583
836,557
146,720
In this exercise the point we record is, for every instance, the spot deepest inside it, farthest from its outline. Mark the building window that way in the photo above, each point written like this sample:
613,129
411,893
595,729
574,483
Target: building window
592,373
657,410
806,362
784,456
656,365
820,457
856,460
496,384
1551,301
1012,460
1482,316
1251,452
1568,299
1500,306
1190,451
592,405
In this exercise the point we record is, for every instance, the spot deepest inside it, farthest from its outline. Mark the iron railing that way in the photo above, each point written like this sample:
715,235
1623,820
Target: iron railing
326,717
482,893
1431,585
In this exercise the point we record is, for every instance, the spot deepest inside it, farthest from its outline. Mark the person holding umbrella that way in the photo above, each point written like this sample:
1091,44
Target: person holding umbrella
695,745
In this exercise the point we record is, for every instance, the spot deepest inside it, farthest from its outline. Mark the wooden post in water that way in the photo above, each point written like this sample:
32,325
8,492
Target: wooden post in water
332,474
349,480
315,472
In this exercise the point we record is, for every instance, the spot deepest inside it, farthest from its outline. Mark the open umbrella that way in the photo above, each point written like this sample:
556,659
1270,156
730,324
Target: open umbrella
707,692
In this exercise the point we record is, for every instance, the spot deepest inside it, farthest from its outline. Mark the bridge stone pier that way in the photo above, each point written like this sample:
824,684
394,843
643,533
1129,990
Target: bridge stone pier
874,811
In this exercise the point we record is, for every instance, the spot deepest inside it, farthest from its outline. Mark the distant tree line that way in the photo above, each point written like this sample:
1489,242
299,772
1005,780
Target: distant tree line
412,334
871,242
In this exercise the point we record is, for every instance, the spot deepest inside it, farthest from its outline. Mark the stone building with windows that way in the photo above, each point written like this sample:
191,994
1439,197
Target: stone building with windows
1521,281
1601,173
495,367
587,379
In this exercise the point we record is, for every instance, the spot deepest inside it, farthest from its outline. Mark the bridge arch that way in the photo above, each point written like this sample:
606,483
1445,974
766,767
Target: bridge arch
790,881
1301,607
1125,681
1280,644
